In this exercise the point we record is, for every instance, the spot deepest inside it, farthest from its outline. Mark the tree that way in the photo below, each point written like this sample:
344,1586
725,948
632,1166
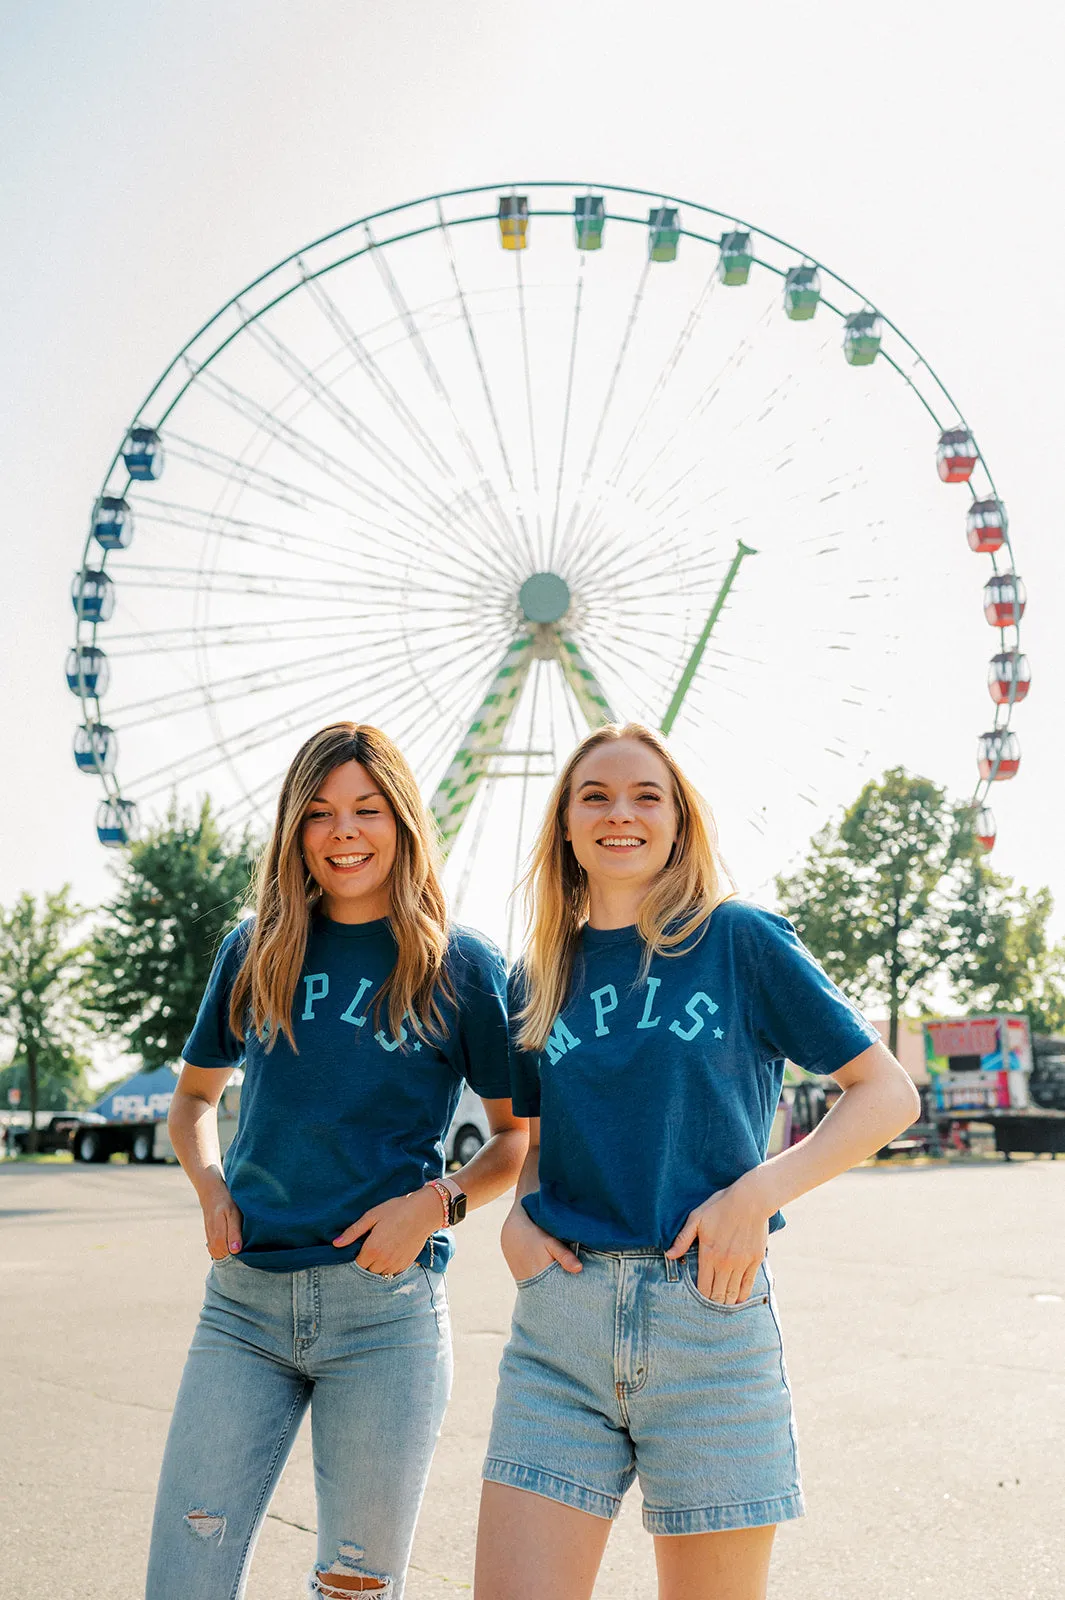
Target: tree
42,995
181,888
1003,959
876,896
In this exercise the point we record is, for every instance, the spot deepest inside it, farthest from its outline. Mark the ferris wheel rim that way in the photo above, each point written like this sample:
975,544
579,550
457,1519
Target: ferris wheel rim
89,627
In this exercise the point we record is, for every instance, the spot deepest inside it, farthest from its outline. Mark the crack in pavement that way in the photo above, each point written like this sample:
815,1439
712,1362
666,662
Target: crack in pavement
94,1394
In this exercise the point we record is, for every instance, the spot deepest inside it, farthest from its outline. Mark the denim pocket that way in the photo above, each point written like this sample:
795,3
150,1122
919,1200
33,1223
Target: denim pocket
538,1277
387,1279
691,1284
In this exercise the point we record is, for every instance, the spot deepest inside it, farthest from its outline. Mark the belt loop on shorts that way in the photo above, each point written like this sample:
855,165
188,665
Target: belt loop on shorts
575,1247
672,1269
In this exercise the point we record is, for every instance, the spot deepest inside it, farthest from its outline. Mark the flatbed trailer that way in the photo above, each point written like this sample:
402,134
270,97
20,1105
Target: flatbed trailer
1023,1131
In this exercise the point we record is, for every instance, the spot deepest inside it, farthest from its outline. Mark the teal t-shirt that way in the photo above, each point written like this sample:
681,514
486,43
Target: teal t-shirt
353,1116
653,1095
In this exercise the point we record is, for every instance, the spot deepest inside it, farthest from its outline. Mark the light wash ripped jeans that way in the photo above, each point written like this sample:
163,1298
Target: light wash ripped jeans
370,1356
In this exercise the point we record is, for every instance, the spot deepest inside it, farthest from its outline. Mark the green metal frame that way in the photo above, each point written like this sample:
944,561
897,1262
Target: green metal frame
692,667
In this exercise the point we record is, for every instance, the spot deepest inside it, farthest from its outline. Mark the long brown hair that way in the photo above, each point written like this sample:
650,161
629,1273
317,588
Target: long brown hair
675,908
286,894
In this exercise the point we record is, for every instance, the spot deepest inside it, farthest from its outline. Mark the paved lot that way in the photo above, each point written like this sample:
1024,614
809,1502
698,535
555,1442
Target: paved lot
924,1314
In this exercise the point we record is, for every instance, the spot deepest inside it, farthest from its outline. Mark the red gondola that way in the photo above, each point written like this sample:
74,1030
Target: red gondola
1009,677
986,525
956,455
984,829
998,754
1005,598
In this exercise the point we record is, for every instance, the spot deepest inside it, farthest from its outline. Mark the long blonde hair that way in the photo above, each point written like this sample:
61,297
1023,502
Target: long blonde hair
675,908
286,894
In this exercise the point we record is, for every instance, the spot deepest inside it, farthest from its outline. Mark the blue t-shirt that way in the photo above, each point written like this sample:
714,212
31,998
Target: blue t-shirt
356,1116
653,1095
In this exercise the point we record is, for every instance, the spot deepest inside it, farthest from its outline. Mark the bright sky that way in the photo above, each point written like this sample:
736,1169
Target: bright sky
158,157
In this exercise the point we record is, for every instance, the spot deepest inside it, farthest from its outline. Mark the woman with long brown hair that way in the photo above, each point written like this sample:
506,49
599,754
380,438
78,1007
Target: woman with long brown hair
651,1013
358,1012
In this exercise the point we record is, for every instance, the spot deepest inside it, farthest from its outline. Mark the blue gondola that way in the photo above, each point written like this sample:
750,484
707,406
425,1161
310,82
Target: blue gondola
862,332
95,748
88,670
93,595
112,522
116,822
663,224
143,454
734,262
802,292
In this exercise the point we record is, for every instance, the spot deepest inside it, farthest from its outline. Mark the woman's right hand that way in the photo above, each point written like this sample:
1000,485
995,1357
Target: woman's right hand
527,1249
222,1223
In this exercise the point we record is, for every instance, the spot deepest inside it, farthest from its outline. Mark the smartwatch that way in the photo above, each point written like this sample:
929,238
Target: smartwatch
454,1199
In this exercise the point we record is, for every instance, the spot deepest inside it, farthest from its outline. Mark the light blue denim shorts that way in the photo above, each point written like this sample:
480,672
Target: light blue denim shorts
625,1370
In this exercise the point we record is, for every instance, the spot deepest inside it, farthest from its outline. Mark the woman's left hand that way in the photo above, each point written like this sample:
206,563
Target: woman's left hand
395,1231
732,1228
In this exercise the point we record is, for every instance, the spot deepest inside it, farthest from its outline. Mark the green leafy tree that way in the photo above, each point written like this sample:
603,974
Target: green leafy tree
876,895
1003,958
181,888
42,995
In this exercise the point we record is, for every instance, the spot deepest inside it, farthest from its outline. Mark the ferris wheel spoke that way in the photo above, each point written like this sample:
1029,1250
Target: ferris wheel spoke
439,387
575,513
359,430
226,749
405,416
261,535
593,520
269,484
377,376
486,387
563,444
333,467
262,680
274,487
226,634
529,406
708,395
263,586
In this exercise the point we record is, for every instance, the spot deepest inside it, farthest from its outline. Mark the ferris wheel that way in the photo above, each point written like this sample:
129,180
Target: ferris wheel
493,466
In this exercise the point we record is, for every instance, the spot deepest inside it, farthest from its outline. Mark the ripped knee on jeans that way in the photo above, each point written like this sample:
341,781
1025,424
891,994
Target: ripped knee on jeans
345,1577
207,1524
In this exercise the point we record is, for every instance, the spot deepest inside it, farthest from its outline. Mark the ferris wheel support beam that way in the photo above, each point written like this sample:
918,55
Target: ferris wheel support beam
692,667
455,793
585,686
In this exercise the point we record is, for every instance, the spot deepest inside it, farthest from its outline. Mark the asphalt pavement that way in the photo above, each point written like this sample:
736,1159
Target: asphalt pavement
924,1319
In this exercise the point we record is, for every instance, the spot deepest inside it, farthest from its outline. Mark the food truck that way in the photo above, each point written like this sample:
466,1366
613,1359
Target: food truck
979,1070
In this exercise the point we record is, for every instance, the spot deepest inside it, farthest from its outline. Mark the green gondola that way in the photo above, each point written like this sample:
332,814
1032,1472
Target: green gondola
734,262
802,292
590,219
664,225
861,338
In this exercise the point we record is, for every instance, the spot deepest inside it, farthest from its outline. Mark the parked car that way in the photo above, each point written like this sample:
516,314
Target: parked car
52,1136
468,1131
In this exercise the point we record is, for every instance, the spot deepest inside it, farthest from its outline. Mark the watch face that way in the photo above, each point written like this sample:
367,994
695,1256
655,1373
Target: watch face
458,1207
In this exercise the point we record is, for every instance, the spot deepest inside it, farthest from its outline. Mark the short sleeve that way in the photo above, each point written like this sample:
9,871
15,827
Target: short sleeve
524,1064
212,1042
797,1011
479,973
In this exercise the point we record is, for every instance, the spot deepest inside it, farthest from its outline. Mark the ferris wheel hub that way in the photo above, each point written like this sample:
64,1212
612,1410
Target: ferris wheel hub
544,597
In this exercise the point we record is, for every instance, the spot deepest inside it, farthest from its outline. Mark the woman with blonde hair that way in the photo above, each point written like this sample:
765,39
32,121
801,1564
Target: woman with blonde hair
358,1012
651,1014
